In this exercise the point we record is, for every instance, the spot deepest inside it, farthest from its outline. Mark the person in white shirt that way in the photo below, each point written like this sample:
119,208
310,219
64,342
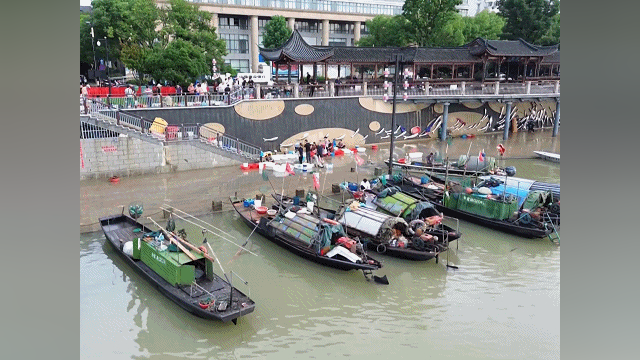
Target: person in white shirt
365,185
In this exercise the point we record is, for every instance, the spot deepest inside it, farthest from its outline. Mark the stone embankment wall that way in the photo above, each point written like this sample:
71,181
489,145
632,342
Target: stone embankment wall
125,156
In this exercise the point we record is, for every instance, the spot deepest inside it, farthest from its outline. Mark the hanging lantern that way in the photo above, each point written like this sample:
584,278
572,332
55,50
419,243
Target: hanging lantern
406,84
385,97
405,96
386,85
386,72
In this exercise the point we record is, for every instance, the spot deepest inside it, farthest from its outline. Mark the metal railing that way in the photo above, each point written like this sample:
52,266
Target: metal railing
169,133
174,100
316,5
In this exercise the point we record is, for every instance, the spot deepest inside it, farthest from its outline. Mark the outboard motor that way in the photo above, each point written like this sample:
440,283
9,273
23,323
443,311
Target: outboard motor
510,170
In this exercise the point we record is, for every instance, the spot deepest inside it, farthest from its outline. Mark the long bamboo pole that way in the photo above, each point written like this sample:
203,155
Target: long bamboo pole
172,240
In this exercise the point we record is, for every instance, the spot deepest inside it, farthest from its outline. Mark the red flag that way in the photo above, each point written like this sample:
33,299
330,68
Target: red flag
359,160
481,156
289,170
316,181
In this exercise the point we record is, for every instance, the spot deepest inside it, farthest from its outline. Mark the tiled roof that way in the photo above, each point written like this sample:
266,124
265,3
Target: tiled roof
298,50
509,48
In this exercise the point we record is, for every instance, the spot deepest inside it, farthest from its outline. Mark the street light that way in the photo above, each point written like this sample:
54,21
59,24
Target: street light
106,45
93,46
398,59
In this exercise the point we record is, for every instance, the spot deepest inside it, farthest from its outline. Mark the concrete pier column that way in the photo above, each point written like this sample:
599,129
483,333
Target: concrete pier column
332,88
257,96
529,87
556,121
497,92
507,121
291,23
214,22
296,90
253,43
325,32
356,31
426,88
463,87
445,117
556,88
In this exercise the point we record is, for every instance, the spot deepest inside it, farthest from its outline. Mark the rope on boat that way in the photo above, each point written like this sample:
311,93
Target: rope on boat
204,229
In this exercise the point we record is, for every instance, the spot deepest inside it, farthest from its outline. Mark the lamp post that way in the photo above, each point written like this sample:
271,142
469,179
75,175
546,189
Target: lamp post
106,45
93,46
393,109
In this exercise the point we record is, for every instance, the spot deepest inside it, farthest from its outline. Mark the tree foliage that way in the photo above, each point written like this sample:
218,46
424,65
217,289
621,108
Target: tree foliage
386,30
485,24
552,37
427,17
275,32
174,44
530,20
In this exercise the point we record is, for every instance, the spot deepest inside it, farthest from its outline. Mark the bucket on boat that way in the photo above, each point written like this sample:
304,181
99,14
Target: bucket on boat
310,206
296,200
257,203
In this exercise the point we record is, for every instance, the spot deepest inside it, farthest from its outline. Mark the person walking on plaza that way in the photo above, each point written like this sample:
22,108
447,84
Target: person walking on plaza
129,94
85,95
148,93
300,152
307,150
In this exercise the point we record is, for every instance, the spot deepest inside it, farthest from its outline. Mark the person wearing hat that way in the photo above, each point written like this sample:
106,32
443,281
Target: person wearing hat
365,185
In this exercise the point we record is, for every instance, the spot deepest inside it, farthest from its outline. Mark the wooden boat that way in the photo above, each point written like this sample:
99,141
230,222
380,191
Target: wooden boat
307,236
498,212
381,233
464,166
186,279
375,229
410,211
548,156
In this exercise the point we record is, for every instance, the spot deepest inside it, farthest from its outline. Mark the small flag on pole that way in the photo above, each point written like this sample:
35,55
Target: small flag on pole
316,180
289,170
481,156
359,160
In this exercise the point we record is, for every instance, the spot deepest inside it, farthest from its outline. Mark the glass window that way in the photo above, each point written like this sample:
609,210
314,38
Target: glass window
236,43
239,65
337,42
233,22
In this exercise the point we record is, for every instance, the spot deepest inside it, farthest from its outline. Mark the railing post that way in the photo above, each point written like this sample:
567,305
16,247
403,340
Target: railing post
556,89
183,132
117,117
296,90
426,88
364,88
497,89
463,86
528,87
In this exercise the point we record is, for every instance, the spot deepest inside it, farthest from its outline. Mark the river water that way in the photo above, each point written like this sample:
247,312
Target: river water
503,301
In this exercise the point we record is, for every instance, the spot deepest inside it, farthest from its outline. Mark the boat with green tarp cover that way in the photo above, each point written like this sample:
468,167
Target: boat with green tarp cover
296,229
421,214
179,270
465,165
502,212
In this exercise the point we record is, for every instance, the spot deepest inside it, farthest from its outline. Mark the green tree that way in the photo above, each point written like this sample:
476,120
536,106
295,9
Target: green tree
485,24
186,35
130,26
552,37
386,30
427,17
528,19
275,32
451,32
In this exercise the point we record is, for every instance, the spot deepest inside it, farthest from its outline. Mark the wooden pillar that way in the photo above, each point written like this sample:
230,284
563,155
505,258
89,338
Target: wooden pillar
276,65
375,74
431,74
288,72
315,71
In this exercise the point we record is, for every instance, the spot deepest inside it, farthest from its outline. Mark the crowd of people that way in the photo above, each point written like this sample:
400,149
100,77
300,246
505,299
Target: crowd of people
313,152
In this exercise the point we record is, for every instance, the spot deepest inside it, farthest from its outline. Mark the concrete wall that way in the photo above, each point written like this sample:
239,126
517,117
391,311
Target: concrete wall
124,156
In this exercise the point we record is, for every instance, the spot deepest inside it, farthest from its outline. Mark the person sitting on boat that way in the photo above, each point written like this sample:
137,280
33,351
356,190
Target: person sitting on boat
268,158
329,147
365,185
341,145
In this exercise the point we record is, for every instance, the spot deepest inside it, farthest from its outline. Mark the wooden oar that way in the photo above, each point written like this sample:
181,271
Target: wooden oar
172,240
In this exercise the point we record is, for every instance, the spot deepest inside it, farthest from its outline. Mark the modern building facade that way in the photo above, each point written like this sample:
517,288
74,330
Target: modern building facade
320,22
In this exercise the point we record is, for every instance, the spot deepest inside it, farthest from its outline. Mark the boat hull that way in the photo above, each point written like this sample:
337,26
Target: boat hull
173,293
300,250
